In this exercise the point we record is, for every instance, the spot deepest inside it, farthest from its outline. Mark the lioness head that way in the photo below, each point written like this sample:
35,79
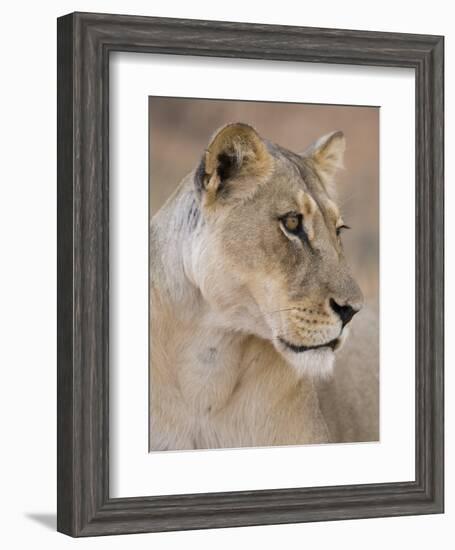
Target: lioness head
268,257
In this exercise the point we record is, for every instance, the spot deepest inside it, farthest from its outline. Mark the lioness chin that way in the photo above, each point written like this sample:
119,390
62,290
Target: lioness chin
251,295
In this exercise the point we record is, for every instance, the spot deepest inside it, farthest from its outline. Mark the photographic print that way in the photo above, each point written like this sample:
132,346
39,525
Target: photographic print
264,274
220,287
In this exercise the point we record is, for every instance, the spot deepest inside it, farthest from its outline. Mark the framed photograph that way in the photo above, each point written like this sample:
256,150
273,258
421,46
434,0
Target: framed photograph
250,274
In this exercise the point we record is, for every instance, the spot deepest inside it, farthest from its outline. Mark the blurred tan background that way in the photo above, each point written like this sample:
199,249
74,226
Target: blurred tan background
181,128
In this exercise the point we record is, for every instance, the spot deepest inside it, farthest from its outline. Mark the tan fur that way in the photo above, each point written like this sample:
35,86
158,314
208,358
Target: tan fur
242,143
228,288
328,154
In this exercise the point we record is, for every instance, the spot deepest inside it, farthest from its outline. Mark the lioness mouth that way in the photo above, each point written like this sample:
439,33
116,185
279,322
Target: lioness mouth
299,349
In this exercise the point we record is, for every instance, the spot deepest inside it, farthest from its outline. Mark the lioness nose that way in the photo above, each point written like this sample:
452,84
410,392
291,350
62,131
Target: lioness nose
345,313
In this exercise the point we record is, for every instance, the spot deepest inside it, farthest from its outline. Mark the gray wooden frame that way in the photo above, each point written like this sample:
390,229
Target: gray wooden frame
84,44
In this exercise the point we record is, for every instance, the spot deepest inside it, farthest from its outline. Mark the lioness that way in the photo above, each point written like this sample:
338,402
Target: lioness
251,298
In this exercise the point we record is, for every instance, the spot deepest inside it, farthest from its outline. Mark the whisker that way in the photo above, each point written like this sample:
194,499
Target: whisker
287,334
281,310
284,335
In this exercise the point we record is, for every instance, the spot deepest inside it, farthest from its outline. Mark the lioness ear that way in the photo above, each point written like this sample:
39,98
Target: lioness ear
327,154
234,163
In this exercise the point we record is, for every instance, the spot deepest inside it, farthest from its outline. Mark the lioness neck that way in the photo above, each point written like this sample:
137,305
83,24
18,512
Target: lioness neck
210,386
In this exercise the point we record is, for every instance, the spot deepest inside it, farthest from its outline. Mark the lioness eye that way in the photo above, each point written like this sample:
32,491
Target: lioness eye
341,227
292,222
